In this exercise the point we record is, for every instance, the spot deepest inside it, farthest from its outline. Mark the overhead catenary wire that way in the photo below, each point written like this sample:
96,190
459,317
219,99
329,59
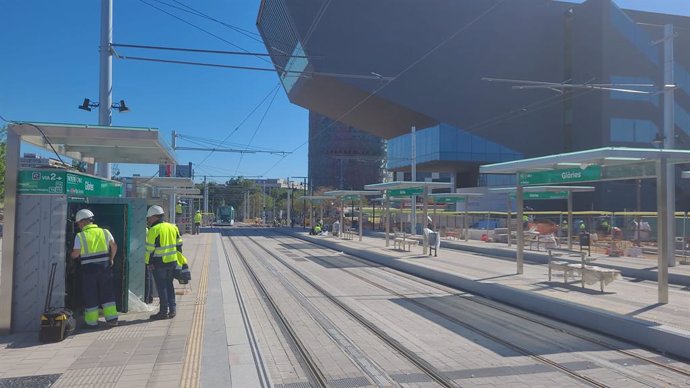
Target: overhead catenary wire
268,108
205,51
256,107
200,29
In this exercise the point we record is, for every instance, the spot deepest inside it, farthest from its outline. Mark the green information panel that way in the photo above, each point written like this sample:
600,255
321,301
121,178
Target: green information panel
544,195
591,173
406,192
351,197
64,182
448,199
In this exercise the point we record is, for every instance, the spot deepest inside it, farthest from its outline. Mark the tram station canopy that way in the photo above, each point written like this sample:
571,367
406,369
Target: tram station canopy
95,143
601,164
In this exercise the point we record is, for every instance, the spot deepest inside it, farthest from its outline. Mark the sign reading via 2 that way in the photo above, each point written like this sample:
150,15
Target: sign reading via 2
591,173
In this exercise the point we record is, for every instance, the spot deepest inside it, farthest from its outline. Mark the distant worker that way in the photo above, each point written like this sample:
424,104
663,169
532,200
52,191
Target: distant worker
178,208
96,249
564,228
604,226
163,242
197,221
583,227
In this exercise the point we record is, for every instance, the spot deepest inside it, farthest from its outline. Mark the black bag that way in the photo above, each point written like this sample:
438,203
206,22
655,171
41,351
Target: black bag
57,323
183,275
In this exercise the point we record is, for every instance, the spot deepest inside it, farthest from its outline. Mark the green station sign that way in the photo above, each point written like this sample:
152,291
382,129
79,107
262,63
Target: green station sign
66,182
406,192
350,197
544,195
591,173
448,199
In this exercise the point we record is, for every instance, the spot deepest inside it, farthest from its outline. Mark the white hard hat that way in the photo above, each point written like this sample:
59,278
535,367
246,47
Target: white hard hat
83,214
155,210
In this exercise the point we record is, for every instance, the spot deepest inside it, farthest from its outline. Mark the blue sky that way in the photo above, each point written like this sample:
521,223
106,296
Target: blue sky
50,64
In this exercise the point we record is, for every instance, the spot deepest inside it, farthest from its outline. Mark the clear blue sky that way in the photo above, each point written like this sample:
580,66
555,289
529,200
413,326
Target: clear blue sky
50,64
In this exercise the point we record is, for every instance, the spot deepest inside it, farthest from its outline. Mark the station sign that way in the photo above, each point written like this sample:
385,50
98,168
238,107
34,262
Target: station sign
591,173
448,199
350,197
64,182
544,195
406,192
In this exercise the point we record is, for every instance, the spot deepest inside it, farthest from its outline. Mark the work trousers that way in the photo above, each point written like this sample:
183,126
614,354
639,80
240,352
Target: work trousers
196,227
97,290
163,275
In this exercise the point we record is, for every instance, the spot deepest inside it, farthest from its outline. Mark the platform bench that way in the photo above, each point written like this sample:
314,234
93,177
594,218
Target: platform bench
588,274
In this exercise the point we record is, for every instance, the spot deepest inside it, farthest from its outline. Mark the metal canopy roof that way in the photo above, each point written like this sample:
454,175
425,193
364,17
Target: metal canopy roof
340,193
456,195
181,191
316,197
94,143
608,156
406,185
544,189
165,182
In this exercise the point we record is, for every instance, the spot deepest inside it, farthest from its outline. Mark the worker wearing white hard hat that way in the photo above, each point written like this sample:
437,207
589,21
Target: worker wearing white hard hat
96,249
163,242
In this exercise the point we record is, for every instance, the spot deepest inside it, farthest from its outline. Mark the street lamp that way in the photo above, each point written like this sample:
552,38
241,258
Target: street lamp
87,105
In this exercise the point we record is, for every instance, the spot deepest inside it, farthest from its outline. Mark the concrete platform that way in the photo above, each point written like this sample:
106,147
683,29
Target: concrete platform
627,309
210,343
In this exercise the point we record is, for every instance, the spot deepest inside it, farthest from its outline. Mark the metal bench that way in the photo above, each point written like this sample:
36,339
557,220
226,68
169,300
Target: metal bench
401,239
588,274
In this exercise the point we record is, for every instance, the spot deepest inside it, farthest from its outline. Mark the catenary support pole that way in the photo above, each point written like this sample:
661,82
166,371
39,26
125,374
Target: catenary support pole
105,107
669,138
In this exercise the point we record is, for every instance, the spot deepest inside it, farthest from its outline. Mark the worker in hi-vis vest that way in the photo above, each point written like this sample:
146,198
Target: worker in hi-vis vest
197,221
96,249
163,242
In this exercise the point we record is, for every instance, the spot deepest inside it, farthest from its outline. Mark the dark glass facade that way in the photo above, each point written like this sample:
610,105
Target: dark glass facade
438,52
342,157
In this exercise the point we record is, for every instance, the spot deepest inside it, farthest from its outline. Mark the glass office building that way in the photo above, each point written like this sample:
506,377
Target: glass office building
385,66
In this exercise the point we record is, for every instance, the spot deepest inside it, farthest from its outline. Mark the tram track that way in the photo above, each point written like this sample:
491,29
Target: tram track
315,376
505,310
424,366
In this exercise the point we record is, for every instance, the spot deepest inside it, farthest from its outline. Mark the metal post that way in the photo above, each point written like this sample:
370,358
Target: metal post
388,219
205,196
413,226
663,218
466,224
570,220
105,109
669,139
171,203
289,203
425,207
361,221
8,248
519,204
510,216
342,218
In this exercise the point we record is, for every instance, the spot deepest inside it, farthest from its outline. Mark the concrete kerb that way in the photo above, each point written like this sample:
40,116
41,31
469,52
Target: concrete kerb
648,334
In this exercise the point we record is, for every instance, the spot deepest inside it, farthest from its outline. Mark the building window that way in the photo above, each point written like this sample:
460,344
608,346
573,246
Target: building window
633,131
294,68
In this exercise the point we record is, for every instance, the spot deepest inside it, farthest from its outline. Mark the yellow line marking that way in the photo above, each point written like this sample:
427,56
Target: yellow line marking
191,370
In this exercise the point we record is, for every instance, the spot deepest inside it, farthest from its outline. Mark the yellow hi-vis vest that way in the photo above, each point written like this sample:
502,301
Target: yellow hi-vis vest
197,218
93,245
162,241
178,208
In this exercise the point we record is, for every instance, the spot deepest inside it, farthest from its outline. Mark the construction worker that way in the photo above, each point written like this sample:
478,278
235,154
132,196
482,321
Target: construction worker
197,221
96,249
178,208
162,244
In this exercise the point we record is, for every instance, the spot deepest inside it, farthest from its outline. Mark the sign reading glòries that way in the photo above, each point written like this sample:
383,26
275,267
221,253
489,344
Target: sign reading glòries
588,174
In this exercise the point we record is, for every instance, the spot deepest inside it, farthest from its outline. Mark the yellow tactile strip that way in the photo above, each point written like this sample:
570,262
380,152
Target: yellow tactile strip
191,370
